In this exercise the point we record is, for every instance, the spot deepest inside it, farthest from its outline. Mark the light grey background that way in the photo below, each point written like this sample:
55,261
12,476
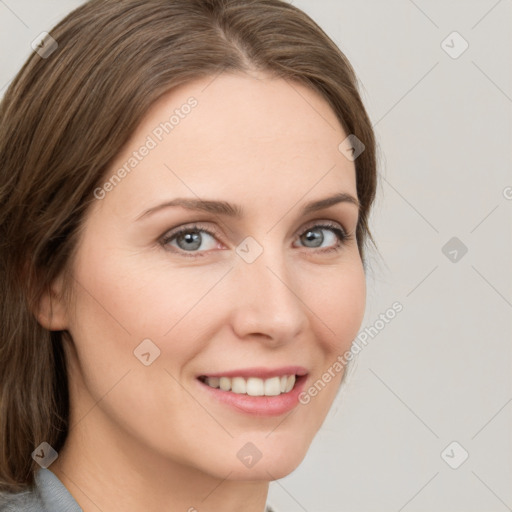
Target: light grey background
440,371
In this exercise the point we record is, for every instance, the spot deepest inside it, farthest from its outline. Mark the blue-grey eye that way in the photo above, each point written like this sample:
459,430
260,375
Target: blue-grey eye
191,239
314,237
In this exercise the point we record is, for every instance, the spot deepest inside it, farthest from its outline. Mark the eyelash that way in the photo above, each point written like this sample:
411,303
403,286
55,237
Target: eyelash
341,234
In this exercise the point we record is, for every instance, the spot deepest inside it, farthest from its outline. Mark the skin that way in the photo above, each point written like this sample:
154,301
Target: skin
149,437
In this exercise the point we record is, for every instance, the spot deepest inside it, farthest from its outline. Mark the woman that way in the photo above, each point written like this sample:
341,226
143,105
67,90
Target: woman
186,186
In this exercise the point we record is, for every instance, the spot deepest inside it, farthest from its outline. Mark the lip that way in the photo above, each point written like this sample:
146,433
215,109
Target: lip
260,372
257,405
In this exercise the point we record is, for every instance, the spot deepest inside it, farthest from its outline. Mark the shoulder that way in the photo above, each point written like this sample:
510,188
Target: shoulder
48,495
27,501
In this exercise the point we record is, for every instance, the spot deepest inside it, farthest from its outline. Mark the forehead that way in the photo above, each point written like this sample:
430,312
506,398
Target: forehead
236,137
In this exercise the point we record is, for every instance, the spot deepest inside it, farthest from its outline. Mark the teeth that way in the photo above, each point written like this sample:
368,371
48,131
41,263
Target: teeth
253,386
290,383
225,383
238,385
273,386
214,382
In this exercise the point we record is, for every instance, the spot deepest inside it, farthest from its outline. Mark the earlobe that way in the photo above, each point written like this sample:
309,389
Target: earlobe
52,312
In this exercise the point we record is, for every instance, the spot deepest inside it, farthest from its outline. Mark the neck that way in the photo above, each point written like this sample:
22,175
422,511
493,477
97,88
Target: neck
105,468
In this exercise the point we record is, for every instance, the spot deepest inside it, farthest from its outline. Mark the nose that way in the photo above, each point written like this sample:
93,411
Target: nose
268,300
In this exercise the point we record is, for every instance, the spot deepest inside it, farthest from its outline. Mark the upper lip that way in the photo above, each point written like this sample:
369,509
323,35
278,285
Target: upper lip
260,372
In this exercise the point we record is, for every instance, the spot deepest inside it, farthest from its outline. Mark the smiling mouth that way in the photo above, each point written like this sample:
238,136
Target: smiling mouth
253,386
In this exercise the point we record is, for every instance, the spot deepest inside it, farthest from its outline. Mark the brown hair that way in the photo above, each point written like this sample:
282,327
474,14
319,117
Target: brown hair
65,117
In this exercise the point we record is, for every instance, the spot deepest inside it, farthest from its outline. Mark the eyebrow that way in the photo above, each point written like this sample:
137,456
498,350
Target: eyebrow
236,211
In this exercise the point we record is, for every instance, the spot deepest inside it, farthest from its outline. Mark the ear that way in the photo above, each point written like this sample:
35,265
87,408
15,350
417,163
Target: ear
52,310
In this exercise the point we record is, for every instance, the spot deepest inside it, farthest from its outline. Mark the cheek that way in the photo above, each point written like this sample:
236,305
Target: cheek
352,302
121,301
339,304
118,305
127,296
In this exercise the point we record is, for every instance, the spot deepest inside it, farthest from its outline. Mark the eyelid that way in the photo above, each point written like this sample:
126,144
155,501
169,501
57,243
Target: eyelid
325,222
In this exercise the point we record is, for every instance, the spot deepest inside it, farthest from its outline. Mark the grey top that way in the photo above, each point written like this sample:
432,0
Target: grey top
49,495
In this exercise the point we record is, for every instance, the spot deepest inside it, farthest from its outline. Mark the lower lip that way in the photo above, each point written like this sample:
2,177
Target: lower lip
259,405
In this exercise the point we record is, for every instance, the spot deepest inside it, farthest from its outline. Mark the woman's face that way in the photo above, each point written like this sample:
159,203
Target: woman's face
250,296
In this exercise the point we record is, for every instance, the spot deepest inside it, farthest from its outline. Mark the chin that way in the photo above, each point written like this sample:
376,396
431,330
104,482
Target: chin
265,458
273,468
